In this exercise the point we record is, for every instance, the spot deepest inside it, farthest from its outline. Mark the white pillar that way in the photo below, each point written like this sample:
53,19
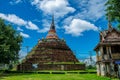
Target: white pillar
101,52
98,69
103,70
107,56
110,53
111,66
98,64
97,55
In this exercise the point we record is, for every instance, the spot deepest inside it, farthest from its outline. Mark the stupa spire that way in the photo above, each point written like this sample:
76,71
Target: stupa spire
52,24
52,32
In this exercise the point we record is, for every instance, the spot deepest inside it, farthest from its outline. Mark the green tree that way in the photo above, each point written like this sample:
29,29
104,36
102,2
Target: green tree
113,11
10,42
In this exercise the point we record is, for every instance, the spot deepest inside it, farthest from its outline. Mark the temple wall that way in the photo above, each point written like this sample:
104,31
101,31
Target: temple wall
52,67
62,67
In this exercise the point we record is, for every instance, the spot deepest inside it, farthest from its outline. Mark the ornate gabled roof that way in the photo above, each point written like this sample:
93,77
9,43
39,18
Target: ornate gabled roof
52,32
109,37
109,32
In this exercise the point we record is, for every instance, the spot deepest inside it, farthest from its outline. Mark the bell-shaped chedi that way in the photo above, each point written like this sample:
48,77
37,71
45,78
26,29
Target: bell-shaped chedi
51,53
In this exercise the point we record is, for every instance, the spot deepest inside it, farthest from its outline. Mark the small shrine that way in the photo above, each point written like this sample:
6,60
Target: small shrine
108,52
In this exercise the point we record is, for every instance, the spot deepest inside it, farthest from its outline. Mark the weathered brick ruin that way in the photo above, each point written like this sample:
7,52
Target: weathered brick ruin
51,53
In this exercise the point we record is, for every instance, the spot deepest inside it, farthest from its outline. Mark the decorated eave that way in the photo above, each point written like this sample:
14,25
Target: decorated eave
108,42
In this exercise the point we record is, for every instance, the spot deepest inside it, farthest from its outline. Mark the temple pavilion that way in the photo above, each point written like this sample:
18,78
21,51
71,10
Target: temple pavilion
108,52
51,53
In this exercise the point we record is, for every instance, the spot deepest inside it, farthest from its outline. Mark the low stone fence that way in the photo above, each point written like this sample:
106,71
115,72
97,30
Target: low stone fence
61,67
29,67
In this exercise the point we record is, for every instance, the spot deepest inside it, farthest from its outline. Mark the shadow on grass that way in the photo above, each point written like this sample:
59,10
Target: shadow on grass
5,75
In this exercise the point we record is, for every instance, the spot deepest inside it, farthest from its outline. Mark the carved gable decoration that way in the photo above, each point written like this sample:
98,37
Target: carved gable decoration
113,35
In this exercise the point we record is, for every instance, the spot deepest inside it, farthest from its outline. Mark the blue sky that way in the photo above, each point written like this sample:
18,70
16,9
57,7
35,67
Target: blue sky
77,21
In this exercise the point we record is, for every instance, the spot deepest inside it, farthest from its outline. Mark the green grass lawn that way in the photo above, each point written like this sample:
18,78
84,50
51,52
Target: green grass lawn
24,76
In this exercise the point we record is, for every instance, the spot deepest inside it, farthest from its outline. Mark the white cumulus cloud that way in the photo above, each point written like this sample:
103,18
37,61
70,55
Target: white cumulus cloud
13,2
19,29
59,7
24,35
13,19
19,21
91,9
31,26
46,27
77,26
27,24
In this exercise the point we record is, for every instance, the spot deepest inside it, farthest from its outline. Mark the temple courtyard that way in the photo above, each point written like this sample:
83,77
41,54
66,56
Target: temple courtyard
53,77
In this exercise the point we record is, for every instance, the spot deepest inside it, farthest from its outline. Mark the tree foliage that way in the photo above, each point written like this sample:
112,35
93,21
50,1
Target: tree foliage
113,11
10,42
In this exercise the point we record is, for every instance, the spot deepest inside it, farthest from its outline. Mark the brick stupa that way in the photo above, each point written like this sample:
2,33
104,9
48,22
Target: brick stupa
51,53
